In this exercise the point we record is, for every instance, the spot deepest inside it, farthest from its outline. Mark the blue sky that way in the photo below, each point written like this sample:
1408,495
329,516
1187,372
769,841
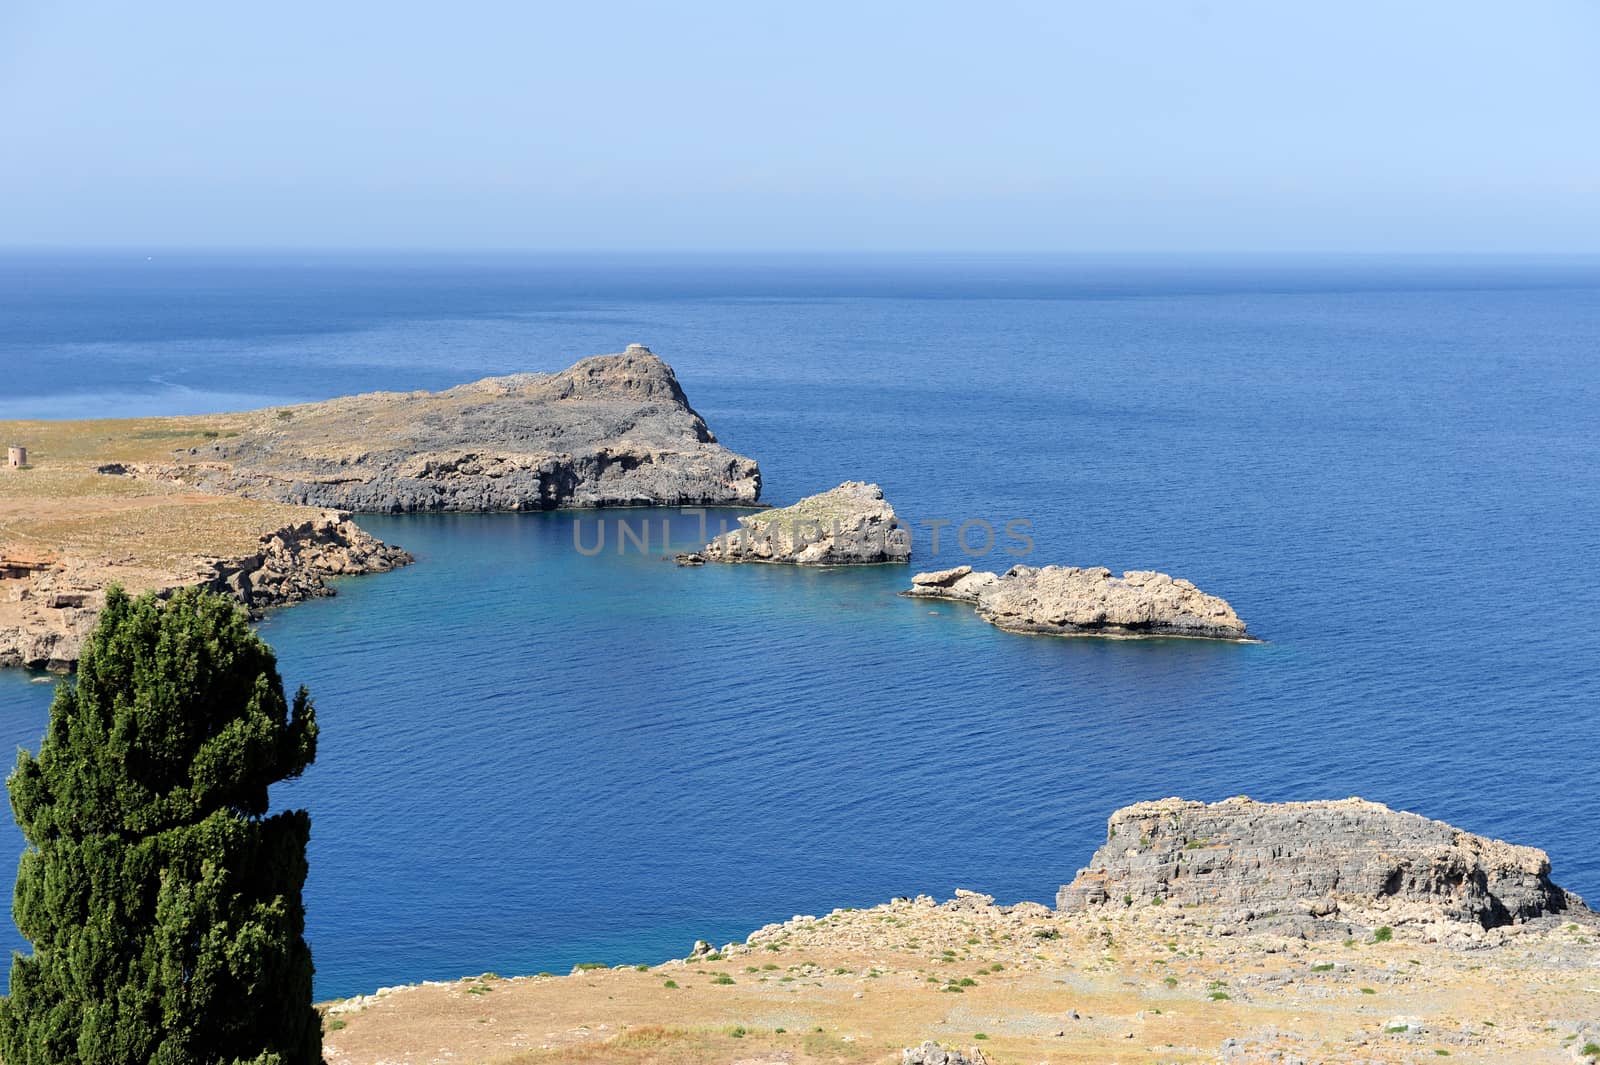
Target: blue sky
1133,125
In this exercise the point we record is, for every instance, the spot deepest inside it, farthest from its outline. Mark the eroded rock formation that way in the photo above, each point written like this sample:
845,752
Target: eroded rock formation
1316,859
1069,601
851,525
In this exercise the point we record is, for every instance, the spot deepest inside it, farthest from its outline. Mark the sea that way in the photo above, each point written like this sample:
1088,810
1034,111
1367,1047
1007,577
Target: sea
536,753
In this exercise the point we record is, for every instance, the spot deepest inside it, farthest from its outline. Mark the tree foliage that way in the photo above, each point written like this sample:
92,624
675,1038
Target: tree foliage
163,904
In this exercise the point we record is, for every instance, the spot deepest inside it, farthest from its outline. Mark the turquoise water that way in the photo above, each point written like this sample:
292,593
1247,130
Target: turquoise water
534,757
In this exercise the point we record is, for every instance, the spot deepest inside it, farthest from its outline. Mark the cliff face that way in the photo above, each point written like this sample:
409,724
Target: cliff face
46,615
613,430
1073,601
1315,859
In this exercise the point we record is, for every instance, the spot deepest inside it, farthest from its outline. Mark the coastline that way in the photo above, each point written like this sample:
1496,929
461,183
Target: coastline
257,504
1324,931
1023,983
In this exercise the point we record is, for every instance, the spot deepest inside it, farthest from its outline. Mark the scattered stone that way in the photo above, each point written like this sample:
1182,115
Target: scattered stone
931,1053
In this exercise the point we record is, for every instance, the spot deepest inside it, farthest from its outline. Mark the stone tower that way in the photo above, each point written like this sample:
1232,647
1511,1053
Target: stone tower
16,456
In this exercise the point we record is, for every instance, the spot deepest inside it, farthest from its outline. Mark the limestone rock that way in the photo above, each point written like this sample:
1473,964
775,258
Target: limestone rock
612,430
1070,601
1360,858
960,584
931,1053
851,525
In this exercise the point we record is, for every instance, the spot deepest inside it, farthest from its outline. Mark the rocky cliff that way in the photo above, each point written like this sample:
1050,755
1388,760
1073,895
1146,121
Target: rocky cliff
1069,601
48,613
1314,859
851,525
613,430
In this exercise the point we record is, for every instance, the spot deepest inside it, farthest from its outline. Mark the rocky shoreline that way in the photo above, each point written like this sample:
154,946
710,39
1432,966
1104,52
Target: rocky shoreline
1073,601
1180,967
52,609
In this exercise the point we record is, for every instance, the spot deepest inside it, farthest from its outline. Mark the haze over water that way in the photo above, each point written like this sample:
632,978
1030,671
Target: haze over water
532,757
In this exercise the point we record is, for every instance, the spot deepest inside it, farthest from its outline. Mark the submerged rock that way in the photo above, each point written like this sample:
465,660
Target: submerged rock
851,525
1069,601
612,430
1312,858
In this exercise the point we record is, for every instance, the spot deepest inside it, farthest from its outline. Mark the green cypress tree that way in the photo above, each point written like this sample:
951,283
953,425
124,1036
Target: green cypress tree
163,904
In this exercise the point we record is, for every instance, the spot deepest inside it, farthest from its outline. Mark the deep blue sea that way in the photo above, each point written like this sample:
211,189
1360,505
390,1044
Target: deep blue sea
533,757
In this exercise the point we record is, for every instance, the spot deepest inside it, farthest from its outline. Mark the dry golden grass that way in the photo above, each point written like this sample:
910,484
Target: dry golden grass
60,507
1114,989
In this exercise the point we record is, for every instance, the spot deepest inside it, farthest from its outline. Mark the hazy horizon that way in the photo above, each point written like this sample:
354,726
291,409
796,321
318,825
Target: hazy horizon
1250,128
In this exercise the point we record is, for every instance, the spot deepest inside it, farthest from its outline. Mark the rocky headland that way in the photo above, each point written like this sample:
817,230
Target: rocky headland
1149,972
851,525
256,503
609,431
1073,601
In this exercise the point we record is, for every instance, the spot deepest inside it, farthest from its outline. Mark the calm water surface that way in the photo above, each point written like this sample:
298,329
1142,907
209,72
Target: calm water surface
533,757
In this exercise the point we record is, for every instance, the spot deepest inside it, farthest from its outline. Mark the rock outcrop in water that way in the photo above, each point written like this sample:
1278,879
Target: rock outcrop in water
1069,601
53,609
1313,858
851,525
612,430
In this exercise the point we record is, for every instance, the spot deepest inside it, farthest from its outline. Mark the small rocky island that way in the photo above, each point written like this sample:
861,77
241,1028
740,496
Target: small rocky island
1069,601
851,525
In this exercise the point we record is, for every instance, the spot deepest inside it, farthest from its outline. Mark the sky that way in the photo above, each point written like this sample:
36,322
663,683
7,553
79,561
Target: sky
711,125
